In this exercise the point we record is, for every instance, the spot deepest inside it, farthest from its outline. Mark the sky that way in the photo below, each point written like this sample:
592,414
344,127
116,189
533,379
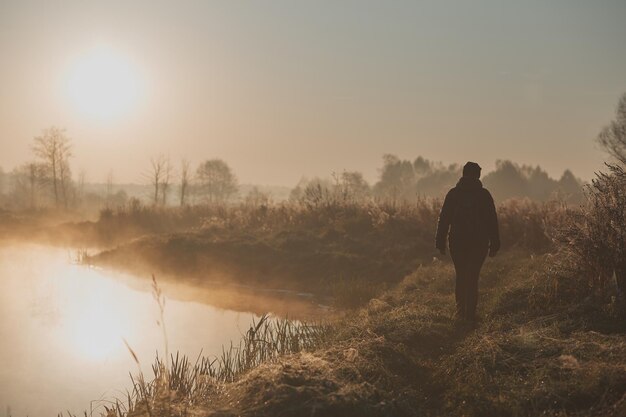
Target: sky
286,89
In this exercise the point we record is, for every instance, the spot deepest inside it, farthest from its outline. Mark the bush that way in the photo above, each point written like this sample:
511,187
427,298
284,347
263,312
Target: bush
594,240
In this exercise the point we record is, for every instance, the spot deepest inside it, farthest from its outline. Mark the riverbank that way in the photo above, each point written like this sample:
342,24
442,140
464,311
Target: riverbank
348,252
404,354
344,251
399,350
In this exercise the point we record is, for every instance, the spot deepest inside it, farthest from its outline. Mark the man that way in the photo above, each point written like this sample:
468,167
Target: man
469,214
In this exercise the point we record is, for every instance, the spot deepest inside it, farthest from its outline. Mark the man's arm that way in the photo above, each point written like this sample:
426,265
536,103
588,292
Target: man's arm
443,225
493,228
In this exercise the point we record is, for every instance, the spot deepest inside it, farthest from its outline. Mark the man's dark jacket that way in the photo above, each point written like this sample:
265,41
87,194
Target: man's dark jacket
470,214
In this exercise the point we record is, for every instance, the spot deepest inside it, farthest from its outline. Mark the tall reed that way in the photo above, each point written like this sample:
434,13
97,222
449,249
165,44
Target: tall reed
181,382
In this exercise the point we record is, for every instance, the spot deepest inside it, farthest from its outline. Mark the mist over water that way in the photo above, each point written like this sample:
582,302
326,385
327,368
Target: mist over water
63,328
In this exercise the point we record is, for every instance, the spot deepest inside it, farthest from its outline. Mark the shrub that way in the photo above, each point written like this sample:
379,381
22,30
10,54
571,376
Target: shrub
594,240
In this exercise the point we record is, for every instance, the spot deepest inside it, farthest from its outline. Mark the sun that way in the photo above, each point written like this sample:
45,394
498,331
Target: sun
103,84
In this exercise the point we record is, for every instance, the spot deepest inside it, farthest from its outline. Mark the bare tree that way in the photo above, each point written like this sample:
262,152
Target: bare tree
613,136
353,187
184,180
53,147
165,180
27,180
156,176
216,180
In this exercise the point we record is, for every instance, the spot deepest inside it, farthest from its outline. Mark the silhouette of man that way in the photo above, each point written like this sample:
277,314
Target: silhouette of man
469,214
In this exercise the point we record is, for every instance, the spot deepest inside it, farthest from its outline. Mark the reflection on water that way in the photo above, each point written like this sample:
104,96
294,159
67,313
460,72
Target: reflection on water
62,328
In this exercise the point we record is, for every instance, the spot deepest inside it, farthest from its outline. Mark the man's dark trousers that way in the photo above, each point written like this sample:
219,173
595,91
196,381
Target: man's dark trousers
468,260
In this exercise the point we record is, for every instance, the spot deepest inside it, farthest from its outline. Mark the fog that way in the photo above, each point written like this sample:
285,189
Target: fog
281,91
333,208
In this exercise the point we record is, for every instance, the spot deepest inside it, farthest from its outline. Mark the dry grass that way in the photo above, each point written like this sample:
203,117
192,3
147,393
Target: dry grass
180,383
539,348
404,354
347,251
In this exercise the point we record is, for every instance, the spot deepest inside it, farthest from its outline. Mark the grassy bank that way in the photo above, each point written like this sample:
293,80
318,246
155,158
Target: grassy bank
550,341
404,354
349,251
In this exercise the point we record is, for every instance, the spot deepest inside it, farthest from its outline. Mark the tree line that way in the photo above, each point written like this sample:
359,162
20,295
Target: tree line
47,180
405,180
214,181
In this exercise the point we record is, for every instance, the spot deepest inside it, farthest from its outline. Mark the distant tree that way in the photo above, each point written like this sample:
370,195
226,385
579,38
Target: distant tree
317,193
26,182
34,178
507,181
156,174
613,136
109,188
510,180
570,188
184,180
80,189
257,198
422,167
296,192
21,194
397,179
435,179
347,187
216,181
65,181
540,186
353,187
313,193
53,148
165,181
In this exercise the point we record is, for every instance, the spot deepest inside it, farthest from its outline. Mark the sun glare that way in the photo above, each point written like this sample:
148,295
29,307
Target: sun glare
102,84
96,314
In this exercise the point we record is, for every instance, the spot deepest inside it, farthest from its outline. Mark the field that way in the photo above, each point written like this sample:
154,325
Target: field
349,251
229,209
549,339
404,354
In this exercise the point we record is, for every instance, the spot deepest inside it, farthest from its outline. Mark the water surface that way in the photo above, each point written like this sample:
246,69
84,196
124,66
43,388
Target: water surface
63,326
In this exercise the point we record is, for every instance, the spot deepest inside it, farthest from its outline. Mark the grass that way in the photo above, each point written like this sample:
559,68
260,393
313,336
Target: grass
545,345
404,354
180,383
346,251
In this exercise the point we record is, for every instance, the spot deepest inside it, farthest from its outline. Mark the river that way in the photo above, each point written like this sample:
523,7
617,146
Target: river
63,327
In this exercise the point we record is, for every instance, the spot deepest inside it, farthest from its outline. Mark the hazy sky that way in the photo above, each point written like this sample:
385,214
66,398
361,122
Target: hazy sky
281,89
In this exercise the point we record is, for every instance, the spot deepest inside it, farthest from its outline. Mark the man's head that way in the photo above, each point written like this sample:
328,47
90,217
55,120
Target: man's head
471,170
